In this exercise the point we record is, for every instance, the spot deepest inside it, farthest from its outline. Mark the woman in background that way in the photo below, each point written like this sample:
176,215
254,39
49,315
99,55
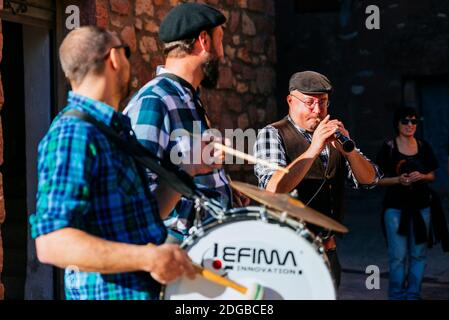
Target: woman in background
409,165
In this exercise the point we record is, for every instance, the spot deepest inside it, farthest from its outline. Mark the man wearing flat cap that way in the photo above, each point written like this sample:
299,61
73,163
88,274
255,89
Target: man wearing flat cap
192,34
305,142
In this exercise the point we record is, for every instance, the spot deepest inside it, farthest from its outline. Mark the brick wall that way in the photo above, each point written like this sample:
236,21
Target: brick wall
245,94
2,200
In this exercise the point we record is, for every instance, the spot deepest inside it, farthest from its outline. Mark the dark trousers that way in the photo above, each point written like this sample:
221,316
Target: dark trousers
335,266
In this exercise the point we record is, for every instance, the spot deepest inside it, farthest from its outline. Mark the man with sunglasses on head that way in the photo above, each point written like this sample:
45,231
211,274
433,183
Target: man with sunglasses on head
305,142
95,216
192,34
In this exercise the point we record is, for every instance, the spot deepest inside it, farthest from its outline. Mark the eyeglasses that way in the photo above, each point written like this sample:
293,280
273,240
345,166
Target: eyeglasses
124,46
406,121
322,104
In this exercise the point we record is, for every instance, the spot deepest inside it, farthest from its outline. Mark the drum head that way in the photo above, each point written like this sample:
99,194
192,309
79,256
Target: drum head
252,252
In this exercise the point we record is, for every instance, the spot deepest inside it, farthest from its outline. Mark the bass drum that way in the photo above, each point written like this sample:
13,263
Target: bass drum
283,258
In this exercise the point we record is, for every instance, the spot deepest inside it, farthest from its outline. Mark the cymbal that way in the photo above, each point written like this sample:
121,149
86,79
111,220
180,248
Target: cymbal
293,207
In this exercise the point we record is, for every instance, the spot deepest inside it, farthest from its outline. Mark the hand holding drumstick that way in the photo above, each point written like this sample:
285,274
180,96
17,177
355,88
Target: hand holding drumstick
184,264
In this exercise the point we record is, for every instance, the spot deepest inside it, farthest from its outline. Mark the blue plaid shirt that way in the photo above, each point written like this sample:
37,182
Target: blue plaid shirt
159,108
87,183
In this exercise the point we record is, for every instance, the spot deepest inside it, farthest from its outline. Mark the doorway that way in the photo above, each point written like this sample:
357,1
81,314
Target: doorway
14,165
26,70
434,109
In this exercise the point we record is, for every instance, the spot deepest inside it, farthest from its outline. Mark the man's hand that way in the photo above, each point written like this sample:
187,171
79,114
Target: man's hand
405,180
211,157
167,262
323,134
343,131
415,176
239,199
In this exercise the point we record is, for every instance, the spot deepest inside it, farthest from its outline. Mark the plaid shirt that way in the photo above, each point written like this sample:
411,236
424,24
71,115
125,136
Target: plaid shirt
269,147
159,108
87,183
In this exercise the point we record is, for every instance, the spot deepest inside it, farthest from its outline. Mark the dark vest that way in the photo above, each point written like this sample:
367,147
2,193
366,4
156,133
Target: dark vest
329,199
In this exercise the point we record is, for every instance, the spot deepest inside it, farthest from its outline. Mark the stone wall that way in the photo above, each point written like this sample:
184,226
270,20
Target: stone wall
245,94
2,200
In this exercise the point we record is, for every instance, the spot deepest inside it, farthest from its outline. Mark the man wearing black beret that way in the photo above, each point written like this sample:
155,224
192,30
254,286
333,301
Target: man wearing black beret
192,34
305,141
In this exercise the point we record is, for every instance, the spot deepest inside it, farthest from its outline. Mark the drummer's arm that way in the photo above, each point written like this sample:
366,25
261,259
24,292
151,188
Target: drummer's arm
281,182
167,198
70,247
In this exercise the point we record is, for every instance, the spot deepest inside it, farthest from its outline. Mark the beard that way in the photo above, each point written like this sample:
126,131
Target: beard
211,73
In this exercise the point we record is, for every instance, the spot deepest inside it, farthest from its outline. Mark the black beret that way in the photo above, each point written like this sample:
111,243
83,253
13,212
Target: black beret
187,20
310,82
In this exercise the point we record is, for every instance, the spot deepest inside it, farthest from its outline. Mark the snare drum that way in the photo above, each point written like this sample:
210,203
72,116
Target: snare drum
252,247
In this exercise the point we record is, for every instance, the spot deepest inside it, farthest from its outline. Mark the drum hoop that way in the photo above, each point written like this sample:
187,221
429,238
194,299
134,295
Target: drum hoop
236,214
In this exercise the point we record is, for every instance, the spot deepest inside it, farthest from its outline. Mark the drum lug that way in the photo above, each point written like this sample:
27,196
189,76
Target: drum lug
319,245
200,232
283,217
193,230
263,214
294,194
302,230
197,204
196,231
188,242
213,207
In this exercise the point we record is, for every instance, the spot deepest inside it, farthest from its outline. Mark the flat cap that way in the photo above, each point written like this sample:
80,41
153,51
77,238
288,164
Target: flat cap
187,20
310,82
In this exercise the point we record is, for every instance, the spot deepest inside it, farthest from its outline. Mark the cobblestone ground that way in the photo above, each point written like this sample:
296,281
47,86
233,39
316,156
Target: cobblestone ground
364,245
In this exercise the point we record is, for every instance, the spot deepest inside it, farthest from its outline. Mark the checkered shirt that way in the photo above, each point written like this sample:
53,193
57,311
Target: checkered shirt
159,108
88,183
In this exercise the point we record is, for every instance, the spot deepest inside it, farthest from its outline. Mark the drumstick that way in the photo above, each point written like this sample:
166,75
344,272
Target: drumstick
255,292
249,158
243,155
216,278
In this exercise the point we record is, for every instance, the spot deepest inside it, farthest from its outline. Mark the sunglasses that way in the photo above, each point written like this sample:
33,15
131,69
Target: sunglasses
124,46
409,121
